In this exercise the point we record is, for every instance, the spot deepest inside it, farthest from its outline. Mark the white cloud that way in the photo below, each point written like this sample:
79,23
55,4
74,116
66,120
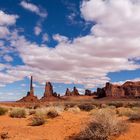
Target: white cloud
6,19
33,8
45,37
110,47
4,31
37,30
8,58
60,38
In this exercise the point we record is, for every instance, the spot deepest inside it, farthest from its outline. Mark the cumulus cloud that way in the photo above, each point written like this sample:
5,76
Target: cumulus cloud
6,19
8,58
45,38
60,38
111,46
37,30
33,8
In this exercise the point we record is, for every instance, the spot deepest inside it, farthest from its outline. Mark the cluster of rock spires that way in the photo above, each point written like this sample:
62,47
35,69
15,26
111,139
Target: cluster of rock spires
128,89
72,93
48,94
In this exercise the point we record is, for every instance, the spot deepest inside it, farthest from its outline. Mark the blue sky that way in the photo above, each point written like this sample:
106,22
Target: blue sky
68,42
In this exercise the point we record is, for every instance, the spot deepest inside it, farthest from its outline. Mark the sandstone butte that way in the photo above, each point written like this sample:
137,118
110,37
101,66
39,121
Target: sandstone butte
128,89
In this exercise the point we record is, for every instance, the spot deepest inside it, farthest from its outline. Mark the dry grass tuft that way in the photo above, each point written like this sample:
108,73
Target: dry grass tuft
74,109
122,111
103,126
18,113
3,110
37,120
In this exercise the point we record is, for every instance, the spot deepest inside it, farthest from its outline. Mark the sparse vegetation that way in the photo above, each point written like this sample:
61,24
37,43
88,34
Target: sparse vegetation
86,107
122,111
18,113
4,135
104,125
52,113
134,117
37,120
74,109
3,110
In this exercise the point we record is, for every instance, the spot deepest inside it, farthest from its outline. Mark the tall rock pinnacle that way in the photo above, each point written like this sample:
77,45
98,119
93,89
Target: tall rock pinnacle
48,90
31,86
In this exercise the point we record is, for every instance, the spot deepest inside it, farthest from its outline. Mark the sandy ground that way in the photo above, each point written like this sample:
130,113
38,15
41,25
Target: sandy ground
133,133
55,129
58,128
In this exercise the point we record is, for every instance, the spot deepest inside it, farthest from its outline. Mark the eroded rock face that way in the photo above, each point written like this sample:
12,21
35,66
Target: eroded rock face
88,92
73,93
132,88
48,90
49,95
128,89
114,90
68,93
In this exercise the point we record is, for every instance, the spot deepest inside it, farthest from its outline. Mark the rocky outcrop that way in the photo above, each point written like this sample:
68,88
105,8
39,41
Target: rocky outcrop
114,90
30,97
48,90
128,89
49,95
132,89
68,93
73,93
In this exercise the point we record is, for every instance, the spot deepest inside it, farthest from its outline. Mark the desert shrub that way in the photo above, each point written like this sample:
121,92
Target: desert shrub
37,120
132,104
104,125
18,113
122,111
4,135
86,107
69,105
32,111
3,110
104,105
74,109
116,104
36,106
134,117
41,111
52,113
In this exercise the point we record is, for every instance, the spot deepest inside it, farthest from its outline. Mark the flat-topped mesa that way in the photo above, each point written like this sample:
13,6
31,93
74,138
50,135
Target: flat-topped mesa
30,97
128,89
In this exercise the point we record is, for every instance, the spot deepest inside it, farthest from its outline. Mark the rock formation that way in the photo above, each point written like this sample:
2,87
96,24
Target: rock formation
49,94
73,93
30,97
68,93
128,89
